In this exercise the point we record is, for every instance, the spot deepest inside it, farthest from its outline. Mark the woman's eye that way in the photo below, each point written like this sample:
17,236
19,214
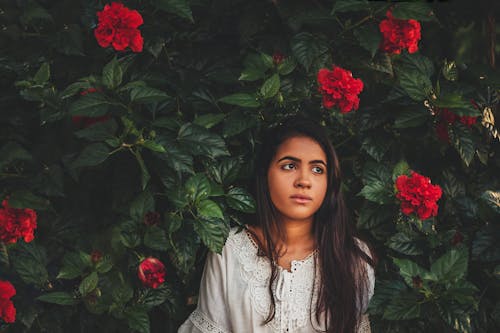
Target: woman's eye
288,166
317,170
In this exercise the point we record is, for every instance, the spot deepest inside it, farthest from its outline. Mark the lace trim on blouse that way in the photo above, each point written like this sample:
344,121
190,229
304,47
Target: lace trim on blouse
204,324
292,290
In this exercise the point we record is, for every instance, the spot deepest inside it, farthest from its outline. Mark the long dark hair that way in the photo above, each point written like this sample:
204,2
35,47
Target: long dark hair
343,275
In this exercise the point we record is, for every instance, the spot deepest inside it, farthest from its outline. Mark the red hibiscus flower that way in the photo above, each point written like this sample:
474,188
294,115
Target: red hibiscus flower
151,272
417,195
151,218
446,118
339,88
16,223
278,57
399,34
7,309
117,26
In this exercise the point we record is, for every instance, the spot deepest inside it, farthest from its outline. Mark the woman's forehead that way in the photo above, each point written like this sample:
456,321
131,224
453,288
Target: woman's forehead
302,147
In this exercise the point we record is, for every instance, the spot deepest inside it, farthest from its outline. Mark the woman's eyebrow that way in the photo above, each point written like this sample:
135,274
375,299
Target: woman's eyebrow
295,159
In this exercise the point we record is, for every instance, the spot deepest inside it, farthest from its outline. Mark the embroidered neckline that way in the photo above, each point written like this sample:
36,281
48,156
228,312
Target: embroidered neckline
292,262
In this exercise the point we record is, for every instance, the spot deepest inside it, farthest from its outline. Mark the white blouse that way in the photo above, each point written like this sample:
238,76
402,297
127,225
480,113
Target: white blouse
234,294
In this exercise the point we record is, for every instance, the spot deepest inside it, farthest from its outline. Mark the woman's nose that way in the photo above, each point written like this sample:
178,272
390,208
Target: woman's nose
302,181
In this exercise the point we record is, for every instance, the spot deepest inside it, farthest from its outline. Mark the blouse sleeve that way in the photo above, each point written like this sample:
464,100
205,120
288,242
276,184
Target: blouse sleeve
364,324
211,313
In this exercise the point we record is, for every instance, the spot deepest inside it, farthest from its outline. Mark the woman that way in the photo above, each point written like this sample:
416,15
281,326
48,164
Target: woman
299,268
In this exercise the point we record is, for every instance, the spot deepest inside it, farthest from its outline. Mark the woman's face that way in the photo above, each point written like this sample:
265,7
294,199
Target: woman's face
297,178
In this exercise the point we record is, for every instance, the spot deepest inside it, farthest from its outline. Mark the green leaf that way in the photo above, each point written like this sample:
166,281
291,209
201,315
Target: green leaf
492,199
213,233
385,292
456,317
239,199
485,244
450,71
267,60
416,10
496,272
461,137
59,297
154,297
138,319
197,187
452,187
29,261
270,87
90,105
408,269
177,7
402,243
144,95
238,122
369,38
343,6
200,141
251,74
372,215
452,265
376,145
209,120
209,209
153,146
155,238
411,117
417,86
256,62
307,48
112,74
141,205
144,171
377,192
88,284
416,62
405,306
287,66
225,171
402,168
74,265
104,265
92,155
241,99
43,74
26,199
373,172
98,132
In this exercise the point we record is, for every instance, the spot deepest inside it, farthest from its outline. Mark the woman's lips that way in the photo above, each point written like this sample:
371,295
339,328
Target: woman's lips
300,198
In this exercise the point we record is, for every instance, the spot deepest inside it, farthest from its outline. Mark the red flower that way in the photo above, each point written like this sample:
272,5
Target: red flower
399,34
446,118
7,309
339,88
117,26
418,195
151,272
95,256
151,218
16,223
278,57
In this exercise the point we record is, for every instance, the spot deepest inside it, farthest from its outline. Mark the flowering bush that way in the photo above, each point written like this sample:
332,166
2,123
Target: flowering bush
151,272
417,195
16,223
339,88
398,35
7,309
166,167
117,27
